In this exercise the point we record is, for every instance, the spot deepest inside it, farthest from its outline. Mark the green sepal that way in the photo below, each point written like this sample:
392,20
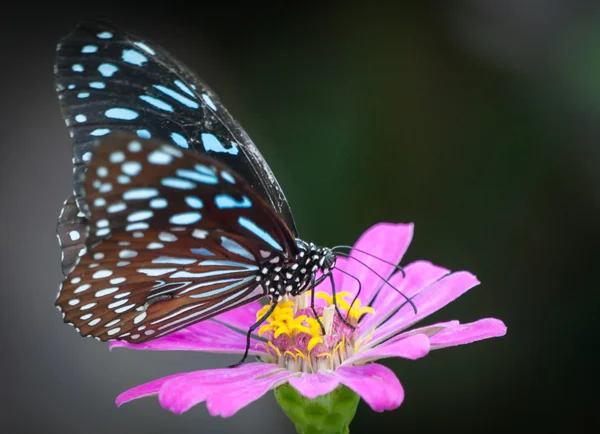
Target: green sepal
325,414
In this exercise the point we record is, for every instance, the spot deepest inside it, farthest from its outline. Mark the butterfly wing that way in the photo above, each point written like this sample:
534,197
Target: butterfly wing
174,237
72,232
111,81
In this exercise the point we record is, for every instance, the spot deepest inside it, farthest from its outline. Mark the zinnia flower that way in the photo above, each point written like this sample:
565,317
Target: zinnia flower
290,347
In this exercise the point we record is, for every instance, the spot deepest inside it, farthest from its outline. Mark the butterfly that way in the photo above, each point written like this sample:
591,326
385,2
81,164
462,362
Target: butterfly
175,216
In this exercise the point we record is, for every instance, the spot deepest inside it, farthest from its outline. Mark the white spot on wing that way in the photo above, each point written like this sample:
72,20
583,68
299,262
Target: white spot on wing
101,274
167,237
126,254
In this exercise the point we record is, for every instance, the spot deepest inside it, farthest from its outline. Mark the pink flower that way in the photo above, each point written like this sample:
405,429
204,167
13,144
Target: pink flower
292,349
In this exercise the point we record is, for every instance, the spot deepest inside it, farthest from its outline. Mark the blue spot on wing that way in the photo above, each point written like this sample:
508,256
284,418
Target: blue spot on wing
177,96
186,218
236,248
224,201
100,132
180,140
211,143
238,282
158,202
121,114
97,85
134,57
194,202
159,104
183,87
227,177
89,49
202,251
107,69
143,134
248,224
209,101
198,176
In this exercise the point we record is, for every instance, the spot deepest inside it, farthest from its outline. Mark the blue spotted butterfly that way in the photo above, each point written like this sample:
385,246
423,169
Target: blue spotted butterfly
175,216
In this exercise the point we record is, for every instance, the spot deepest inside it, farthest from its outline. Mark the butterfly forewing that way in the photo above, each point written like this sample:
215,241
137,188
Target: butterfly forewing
111,81
174,238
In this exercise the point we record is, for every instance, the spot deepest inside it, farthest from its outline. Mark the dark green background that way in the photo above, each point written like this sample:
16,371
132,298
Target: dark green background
475,120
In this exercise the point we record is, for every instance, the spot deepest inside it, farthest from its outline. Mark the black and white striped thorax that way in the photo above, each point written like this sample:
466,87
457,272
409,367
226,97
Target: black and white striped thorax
294,276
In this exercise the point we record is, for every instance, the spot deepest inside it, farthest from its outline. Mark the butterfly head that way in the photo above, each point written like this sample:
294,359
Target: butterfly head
327,261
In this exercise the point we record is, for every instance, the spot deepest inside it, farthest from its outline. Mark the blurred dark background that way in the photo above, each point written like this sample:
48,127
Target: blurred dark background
477,120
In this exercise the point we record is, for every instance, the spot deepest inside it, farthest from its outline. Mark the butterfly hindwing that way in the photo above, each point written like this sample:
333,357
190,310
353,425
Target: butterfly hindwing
174,237
111,81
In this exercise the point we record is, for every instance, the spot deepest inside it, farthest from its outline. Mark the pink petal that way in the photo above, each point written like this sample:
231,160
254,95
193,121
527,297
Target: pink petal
412,347
467,333
387,241
207,336
227,400
241,317
428,330
418,275
429,300
146,389
181,394
375,383
313,385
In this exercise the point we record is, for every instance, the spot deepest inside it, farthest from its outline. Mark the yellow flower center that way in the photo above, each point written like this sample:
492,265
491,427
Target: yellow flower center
295,339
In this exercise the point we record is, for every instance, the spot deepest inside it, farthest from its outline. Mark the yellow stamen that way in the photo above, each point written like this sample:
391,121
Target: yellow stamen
282,329
301,354
343,346
264,329
337,347
288,352
283,322
270,344
314,341
328,298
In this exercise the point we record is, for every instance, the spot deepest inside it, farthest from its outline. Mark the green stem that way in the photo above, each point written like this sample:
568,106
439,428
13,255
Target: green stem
326,414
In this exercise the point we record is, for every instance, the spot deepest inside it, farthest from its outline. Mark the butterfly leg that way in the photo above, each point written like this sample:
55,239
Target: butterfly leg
253,327
337,309
312,301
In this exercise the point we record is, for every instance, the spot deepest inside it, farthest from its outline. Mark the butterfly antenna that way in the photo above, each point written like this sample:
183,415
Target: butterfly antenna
357,292
347,255
396,266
